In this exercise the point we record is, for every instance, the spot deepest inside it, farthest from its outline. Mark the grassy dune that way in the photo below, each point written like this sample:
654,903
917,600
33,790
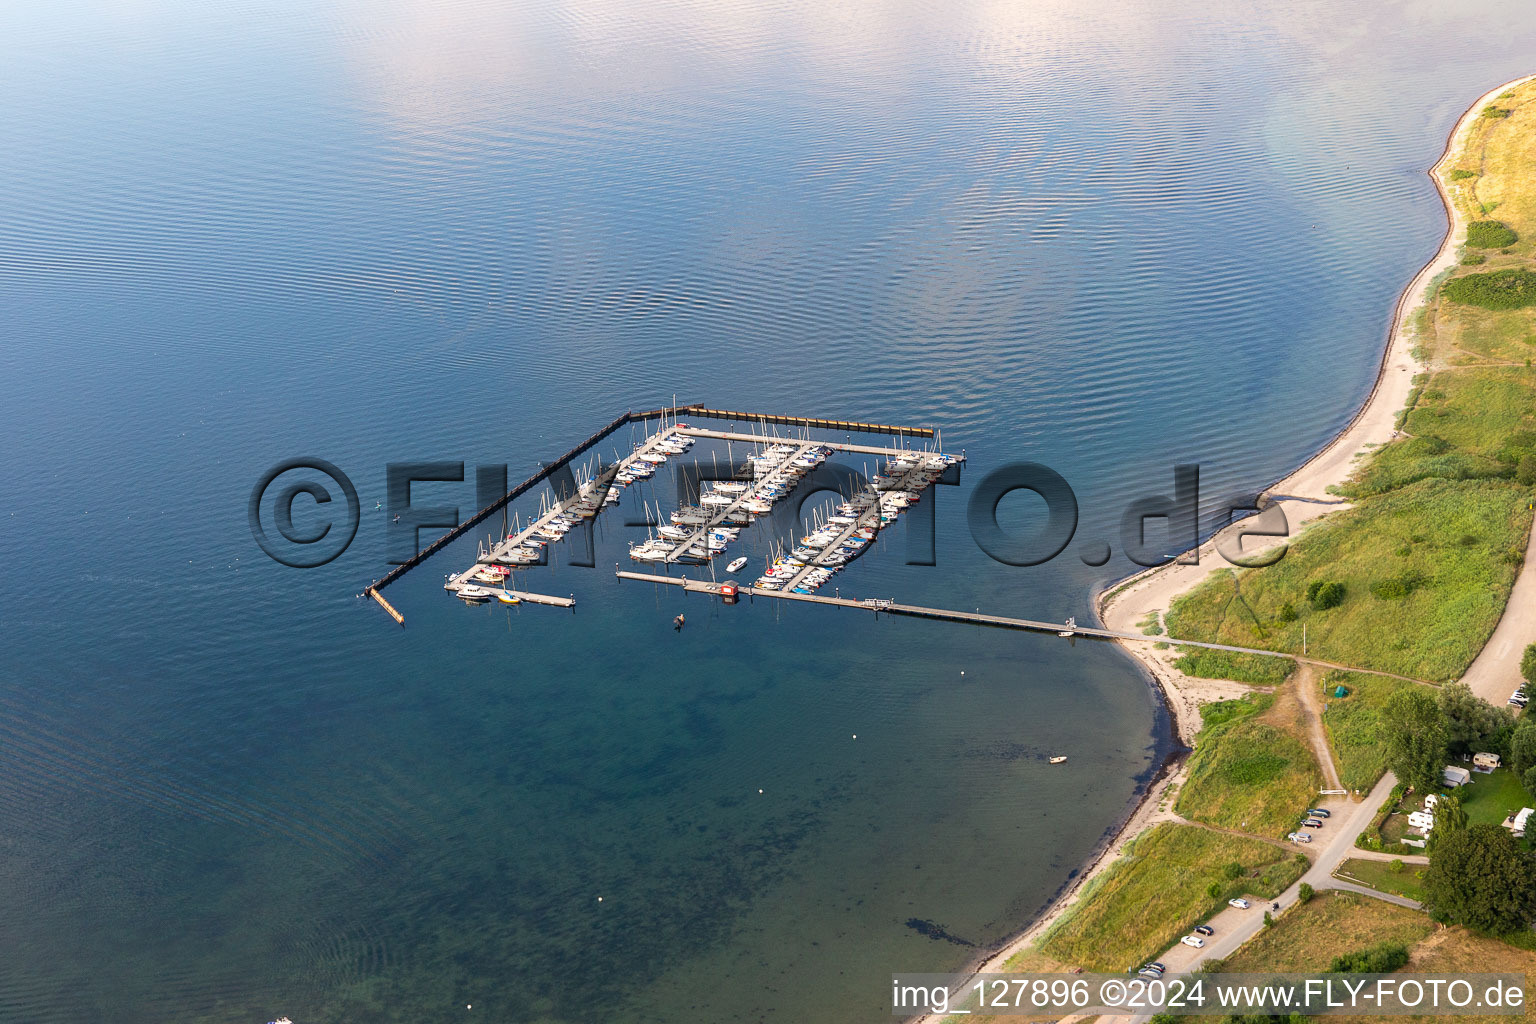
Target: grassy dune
1429,552
1354,726
1147,899
1249,773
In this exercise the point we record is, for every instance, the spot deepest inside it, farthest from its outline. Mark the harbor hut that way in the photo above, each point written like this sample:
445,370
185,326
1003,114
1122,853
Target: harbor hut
1485,762
1455,776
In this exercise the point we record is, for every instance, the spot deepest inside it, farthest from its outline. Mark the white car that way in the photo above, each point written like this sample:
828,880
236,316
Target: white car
1240,904
1193,940
1299,837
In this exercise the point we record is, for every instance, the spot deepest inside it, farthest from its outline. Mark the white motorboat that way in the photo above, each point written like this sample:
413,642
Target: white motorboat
730,486
473,593
674,532
736,566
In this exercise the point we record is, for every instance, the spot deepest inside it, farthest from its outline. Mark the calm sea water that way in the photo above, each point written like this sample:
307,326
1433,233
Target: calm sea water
1108,238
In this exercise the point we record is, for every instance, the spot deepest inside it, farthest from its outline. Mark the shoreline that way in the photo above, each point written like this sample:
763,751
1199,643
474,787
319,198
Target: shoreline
1303,494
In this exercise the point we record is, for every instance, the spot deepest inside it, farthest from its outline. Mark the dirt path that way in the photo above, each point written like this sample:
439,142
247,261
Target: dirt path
1306,682
1495,672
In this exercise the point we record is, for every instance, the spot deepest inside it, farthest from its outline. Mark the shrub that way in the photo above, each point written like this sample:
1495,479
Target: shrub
1395,866
1525,469
1325,594
1305,892
1382,958
1472,259
1395,588
1234,870
1214,890
1287,612
1497,289
1528,664
1490,234
1492,111
1461,174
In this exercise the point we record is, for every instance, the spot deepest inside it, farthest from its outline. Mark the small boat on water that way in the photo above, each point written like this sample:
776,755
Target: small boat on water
506,597
474,593
1059,759
736,565
1071,628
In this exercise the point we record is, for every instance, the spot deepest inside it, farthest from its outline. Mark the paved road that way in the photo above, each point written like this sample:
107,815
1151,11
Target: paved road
1334,845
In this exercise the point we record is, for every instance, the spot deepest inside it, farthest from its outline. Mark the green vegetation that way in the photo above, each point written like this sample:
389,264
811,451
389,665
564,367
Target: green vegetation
1305,892
1380,876
1147,899
1415,738
1460,539
1244,668
1472,259
1382,958
1247,774
1462,174
1471,723
1490,234
1354,725
1497,289
1479,877
1217,712
1490,798
1528,663
1324,595
1492,111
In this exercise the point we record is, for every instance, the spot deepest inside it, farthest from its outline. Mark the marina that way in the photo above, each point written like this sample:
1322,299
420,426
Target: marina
696,534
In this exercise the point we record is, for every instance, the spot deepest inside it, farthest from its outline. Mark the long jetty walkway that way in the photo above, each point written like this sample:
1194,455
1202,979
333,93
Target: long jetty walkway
978,618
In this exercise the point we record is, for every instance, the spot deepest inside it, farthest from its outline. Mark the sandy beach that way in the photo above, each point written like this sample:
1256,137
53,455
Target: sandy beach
1304,495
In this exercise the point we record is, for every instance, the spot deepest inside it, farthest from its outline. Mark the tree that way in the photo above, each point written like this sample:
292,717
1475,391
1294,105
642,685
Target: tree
1450,817
1522,747
1481,878
1471,723
1528,780
1305,892
1525,470
1415,736
1528,664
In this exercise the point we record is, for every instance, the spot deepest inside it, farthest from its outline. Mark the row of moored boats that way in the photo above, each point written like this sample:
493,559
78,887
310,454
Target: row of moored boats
851,528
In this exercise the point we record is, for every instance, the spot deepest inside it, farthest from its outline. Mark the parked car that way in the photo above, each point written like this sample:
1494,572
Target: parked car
1319,812
1311,823
1518,698
1158,966
1240,904
1204,929
1300,837
1147,973
1155,969
1193,940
